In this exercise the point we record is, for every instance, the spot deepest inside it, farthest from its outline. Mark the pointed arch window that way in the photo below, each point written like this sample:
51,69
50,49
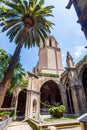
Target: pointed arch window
69,98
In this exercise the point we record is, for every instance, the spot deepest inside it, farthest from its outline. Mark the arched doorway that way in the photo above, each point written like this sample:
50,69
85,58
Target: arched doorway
21,103
50,96
84,80
69,98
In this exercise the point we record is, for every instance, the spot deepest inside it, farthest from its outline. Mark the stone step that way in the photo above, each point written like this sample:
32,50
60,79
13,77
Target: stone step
59,124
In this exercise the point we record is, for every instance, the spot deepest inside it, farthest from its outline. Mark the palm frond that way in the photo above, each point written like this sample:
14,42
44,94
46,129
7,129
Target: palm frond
40,34
9,13
26,6
36,37
9,25
16,6
14,28
18,36
20,5
13,31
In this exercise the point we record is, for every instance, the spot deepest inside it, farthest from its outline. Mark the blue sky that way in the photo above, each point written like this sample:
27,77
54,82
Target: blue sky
66,31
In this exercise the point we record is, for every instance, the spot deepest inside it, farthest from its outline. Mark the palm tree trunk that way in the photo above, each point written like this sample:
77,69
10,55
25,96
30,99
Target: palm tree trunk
7,76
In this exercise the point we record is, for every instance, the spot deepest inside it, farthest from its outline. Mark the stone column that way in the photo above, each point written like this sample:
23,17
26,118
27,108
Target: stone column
28,112
38,105
75,100
28,105
82,100
31,96
64,98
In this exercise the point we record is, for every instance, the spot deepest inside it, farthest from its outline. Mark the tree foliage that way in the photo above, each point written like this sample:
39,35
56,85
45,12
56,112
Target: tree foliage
4,62
17,79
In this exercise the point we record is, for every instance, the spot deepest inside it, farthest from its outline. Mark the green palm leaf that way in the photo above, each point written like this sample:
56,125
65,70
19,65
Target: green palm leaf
16,6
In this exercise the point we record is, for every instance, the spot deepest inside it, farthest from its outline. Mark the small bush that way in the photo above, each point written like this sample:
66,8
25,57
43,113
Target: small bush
6,114
10,113
57,111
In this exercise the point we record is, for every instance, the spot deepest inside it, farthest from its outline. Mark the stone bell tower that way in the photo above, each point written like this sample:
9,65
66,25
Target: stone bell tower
50,60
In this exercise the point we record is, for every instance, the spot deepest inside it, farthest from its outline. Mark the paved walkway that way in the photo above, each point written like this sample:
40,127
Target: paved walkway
25,125
18,126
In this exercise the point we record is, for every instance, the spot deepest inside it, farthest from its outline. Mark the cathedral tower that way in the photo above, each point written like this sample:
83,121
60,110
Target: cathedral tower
50,60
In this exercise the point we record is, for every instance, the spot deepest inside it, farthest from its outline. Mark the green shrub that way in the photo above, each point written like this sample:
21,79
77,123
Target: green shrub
57,111
10,113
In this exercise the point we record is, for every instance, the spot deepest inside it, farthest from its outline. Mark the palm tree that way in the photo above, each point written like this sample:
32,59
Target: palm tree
27,24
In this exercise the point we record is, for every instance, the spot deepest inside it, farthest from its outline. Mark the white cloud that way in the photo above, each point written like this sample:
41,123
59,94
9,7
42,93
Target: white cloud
78,51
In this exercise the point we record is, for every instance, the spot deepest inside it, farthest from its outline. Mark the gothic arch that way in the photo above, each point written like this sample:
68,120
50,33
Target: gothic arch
21,102
80,66
83,78
83,68
46,80
50,95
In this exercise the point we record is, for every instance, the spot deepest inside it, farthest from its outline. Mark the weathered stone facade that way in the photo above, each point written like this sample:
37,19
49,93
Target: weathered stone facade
68,89
44,88
75,86
34,93
81,10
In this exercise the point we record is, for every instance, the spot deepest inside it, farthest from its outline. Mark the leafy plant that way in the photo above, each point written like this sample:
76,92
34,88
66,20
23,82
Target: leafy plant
6,114
57,111
10,113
